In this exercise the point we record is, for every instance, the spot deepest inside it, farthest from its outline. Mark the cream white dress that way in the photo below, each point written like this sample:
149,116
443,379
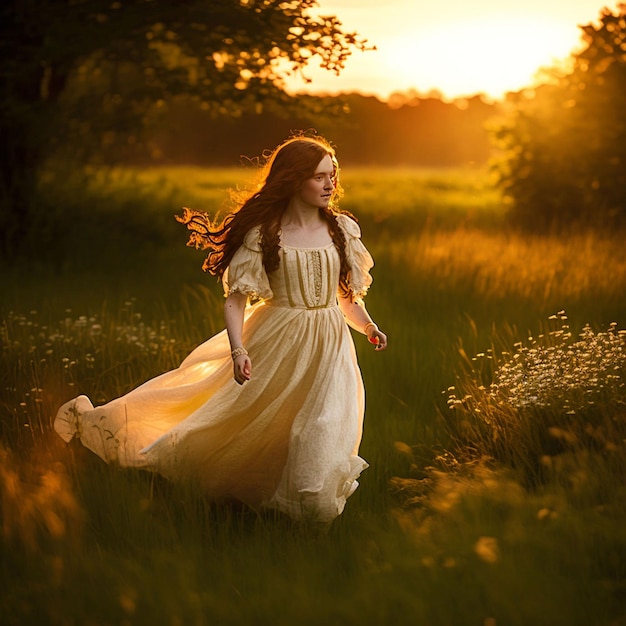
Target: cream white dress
288,439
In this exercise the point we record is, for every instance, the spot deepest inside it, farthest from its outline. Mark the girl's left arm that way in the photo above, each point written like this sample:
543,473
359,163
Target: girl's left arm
358,318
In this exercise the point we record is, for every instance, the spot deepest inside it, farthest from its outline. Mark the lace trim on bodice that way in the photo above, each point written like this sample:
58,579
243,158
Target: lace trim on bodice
309,276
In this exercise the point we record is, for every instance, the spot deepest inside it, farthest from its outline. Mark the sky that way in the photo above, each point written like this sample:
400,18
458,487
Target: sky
458,48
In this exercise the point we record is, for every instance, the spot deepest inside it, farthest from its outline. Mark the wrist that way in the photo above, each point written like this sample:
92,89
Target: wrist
368,328
237,352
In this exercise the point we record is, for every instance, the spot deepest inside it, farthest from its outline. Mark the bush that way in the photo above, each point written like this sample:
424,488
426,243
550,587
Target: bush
564,144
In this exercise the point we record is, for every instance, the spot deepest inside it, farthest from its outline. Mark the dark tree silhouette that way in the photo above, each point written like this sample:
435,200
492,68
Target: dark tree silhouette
128,55
564,159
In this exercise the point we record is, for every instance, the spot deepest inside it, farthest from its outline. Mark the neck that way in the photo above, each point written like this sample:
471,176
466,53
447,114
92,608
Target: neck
296,216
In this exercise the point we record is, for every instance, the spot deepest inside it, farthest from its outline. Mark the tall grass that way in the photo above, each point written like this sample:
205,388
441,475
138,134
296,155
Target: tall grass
444,528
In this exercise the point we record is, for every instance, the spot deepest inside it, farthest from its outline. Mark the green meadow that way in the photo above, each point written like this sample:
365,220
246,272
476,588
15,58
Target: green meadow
495,422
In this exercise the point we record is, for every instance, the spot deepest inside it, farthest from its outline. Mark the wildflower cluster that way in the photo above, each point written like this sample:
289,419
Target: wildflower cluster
556,371
80,340
569,375
551,393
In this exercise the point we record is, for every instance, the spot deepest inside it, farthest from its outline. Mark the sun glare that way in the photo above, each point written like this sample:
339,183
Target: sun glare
460,52
483,56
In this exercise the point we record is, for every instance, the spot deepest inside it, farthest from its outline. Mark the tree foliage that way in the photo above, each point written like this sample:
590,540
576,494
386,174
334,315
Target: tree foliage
564,144
123,59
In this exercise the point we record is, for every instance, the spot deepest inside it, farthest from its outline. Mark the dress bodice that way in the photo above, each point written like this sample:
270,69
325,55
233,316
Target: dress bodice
307,278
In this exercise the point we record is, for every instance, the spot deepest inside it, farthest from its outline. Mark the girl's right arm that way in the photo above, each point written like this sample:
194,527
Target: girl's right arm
234,308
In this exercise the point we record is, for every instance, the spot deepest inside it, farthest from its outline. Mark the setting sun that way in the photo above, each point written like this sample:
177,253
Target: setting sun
457,49
488,56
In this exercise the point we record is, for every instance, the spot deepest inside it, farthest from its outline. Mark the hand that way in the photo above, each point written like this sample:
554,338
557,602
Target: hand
377,337
242,367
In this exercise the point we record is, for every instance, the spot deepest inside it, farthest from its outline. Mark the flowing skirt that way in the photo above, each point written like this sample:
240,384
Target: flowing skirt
287,439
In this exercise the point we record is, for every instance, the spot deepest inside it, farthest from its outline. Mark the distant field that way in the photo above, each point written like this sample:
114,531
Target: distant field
434,535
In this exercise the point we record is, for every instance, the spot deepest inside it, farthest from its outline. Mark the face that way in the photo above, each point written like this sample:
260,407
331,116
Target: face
317,191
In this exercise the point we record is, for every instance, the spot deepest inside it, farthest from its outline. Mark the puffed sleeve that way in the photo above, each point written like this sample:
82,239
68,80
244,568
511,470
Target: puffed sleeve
245,273
359,259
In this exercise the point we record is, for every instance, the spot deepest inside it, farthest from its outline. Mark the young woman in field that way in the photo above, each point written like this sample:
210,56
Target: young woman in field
269,411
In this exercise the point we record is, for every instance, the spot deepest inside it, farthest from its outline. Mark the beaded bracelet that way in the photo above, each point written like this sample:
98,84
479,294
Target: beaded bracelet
238,352
367,326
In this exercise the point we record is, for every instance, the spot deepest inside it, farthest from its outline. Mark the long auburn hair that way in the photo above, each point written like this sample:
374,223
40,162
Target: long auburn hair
284,171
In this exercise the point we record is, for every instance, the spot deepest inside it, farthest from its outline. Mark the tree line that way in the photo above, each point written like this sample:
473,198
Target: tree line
417,131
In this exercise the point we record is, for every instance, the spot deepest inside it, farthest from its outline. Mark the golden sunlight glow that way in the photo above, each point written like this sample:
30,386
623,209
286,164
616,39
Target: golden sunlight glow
458,48
491,56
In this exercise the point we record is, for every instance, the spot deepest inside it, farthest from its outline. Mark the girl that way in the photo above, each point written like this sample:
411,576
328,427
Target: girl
269,411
